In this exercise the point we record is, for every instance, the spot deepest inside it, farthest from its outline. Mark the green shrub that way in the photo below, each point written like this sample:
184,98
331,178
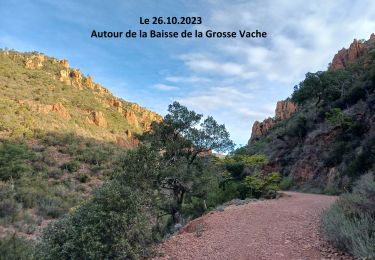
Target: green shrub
55,173
13,160
83,177
71,166
112,225
9,207
260,184
52,207
286,183
331,190
350,222
14,247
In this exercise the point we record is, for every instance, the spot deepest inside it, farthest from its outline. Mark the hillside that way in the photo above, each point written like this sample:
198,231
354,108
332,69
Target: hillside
61,135
323,136
43,93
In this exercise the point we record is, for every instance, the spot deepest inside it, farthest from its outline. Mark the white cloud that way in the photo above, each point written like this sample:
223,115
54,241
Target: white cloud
188,79
202,63
216,98
164,87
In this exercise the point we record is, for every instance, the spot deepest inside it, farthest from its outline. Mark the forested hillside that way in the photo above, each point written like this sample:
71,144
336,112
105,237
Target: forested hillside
327,140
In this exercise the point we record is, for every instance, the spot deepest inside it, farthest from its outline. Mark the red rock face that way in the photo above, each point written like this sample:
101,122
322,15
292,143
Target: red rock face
356,50
284,110
261,128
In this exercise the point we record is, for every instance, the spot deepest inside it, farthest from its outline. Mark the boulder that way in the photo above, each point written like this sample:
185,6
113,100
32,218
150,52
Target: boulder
99,119
61,110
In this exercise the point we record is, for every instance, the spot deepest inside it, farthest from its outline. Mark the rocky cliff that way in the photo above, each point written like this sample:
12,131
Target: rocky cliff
55,97
284,110
355,51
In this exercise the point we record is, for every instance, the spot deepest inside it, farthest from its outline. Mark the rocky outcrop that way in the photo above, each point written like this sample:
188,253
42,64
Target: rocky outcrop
261,128
89,83
131,118
102,90
284,110
35,61
99,119
129,134
65,76
61,110
57,108
76,78
347,56
356,50
114,102
64,63
146,116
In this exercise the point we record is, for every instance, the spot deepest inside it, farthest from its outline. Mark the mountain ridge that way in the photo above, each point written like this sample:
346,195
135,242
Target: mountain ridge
66,100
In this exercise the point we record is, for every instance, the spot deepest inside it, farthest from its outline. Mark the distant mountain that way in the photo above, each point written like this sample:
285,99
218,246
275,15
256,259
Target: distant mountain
40,93
323,137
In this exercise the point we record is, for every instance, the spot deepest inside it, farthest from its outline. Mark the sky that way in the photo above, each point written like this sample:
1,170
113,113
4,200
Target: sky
237,81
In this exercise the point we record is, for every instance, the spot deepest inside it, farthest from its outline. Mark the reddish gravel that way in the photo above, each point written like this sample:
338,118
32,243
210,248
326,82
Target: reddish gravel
286,228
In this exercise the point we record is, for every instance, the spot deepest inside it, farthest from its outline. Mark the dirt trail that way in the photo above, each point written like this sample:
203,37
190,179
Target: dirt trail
286,228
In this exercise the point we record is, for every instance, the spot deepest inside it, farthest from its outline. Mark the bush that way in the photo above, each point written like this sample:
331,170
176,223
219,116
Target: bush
83,177
262,184
53,207
112,225
349,224
13,161
286,183
71,166
9,207
14,247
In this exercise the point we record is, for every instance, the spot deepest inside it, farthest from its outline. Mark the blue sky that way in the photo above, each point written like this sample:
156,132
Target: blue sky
237,81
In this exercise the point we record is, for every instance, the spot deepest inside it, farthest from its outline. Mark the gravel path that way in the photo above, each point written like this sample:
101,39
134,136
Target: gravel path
286,228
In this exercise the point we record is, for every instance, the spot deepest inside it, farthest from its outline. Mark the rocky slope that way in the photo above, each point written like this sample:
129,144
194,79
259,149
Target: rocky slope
324,135
47,94
61,135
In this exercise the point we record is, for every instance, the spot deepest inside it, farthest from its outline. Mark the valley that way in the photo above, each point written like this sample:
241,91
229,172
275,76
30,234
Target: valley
87,175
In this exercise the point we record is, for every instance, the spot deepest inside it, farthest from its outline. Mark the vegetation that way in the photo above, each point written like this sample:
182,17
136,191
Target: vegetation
168,179
15,247
43,178
27,97
103,201
112,225
349,223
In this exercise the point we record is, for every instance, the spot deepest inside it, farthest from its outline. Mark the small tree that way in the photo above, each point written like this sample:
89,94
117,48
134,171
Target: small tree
180,139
